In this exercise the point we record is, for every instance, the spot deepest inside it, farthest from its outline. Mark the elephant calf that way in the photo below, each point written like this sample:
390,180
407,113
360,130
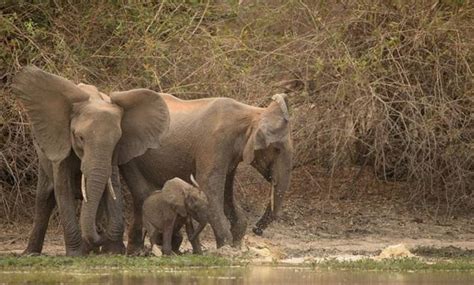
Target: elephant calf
166,211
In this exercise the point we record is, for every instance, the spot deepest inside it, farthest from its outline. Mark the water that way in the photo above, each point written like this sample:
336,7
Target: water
239,275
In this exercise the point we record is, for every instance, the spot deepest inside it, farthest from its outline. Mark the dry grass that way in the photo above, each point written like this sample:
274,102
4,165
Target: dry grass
386,85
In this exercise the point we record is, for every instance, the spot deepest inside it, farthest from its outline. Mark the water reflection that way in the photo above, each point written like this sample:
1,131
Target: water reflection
240,275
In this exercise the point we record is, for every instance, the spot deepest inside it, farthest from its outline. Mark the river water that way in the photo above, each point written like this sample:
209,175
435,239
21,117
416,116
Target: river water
238,275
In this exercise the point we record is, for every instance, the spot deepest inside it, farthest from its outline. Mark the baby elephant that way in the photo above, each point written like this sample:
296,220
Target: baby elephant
166,211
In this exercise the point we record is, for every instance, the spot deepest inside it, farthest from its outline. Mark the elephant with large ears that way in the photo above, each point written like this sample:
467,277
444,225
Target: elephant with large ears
81,136
209,138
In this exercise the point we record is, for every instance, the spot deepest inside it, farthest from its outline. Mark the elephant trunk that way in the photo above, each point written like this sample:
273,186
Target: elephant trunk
95,183
202,217
197,231
281,176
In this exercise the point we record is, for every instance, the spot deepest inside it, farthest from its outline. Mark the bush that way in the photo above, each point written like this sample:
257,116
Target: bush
386,85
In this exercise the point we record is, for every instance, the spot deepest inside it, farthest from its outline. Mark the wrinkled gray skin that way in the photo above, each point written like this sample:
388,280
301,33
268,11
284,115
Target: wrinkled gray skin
102,134
166,211
209,138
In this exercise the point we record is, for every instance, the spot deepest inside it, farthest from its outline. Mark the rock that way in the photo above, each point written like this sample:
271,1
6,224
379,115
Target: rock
395,251
264,252
225,251
295,260
260,251
155,250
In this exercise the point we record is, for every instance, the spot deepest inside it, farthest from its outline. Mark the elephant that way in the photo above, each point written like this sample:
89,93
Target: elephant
209,138
166,211
81,137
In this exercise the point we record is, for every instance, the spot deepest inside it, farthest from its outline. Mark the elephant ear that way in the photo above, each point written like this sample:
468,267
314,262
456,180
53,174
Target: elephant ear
175,197
272,127
145,119
91,90
179,206
48,100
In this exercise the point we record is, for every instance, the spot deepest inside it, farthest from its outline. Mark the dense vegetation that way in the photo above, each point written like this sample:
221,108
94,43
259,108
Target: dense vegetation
381,85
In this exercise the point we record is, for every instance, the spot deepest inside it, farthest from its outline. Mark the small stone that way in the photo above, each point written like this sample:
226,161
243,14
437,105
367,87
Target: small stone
155,250
395,251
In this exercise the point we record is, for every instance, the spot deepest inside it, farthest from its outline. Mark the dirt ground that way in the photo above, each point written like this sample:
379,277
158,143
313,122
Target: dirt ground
353,218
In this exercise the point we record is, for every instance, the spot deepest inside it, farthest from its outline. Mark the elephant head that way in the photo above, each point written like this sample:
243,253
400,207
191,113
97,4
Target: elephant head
102,133
269,149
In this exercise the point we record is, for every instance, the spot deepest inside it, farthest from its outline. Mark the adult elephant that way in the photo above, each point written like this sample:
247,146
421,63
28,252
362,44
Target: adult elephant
209,138
102,133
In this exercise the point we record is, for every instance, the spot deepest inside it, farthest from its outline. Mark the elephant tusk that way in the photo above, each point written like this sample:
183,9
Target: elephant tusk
272,198
194,181
111,189
83,188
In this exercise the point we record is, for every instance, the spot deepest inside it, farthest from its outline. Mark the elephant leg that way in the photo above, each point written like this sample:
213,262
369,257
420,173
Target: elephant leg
195,242
135,242
213,183
44,206
156,238
167,248
138,188
67,207
233,211
176,241
115,220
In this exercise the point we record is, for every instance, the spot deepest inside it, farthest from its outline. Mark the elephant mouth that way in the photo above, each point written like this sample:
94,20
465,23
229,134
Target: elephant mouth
109,186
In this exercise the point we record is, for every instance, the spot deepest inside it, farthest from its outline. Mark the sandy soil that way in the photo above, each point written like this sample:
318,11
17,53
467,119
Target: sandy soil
281,242
325,235
346,218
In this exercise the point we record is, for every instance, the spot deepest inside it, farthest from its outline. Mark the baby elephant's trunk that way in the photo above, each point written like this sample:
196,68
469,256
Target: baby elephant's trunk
197,231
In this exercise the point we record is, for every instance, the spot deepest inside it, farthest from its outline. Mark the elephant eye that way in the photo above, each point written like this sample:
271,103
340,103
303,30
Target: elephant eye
79,137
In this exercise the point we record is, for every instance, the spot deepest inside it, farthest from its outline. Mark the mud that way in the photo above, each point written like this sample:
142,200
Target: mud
345,218
282,245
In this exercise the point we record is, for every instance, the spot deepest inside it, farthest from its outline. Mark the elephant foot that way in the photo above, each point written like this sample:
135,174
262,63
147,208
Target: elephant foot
113,247
135,249
257,231
33,248
237,244
28,252
197,251
74,252
86,248
168,253
177,252
224,240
